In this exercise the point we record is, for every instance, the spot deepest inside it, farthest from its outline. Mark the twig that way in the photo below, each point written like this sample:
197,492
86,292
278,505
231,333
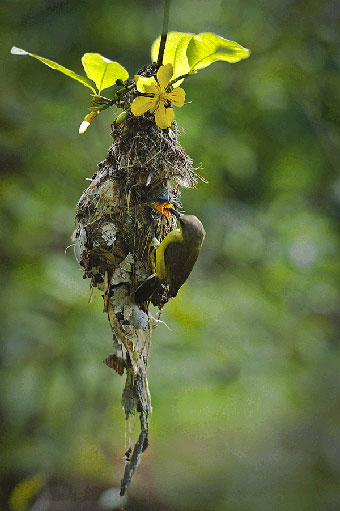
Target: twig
164,32
180,78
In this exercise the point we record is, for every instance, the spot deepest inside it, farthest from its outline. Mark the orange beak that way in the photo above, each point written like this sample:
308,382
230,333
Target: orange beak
162,208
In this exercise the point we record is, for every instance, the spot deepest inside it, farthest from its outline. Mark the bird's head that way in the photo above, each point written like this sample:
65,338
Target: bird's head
192,228
162,201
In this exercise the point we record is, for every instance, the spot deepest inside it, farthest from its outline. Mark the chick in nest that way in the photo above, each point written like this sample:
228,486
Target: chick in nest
163,202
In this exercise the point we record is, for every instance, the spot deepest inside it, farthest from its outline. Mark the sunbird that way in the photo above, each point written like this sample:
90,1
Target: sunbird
175,257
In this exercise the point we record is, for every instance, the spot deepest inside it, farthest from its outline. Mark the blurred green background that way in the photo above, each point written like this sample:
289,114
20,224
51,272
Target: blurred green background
246,385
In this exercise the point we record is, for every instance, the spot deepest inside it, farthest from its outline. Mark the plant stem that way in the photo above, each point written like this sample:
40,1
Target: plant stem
164,32
179,78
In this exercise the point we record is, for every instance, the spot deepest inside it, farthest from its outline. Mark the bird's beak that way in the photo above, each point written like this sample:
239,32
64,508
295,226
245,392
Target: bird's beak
164,208
174,212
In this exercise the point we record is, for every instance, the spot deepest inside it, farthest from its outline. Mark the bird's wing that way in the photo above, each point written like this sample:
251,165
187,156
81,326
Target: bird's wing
145,291
179,261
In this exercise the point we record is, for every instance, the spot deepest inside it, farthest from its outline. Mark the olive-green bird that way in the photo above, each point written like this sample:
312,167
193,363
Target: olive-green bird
175,257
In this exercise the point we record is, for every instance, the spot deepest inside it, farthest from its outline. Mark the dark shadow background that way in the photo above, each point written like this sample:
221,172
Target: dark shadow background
246,385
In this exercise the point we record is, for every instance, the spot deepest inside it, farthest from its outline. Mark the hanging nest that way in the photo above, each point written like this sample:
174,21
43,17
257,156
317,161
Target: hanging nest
114,231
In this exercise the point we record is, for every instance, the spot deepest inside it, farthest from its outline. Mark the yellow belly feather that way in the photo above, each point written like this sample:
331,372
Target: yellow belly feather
174,235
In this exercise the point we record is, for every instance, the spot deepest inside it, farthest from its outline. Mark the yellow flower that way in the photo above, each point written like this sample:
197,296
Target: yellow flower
157,97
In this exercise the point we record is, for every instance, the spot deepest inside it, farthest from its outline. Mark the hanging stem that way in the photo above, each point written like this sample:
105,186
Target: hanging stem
180,78
164,32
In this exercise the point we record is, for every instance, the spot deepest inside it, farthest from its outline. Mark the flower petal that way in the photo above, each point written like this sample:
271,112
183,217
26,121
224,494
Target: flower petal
164,116
164,75
154,106
145,84
142,104
87,121
176,97
83,127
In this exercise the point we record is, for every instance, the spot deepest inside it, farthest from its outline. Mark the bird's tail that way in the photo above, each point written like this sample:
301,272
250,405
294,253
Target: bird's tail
145,291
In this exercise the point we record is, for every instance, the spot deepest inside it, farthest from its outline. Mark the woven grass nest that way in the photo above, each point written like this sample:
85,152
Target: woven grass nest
114,235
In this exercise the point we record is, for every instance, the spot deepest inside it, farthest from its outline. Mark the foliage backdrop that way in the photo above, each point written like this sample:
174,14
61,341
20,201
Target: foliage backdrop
246,385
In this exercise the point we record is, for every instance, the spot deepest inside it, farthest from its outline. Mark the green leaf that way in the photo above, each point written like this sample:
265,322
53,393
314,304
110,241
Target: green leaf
174,53
103,71
206,48
57,67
